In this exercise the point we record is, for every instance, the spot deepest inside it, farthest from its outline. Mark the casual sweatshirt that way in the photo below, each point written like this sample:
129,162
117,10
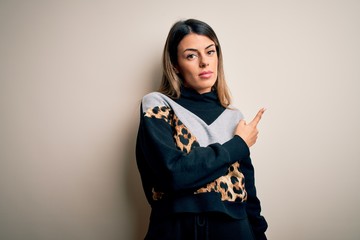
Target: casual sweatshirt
191,162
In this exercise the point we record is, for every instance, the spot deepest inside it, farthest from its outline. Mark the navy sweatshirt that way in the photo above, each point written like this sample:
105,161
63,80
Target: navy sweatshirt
190,161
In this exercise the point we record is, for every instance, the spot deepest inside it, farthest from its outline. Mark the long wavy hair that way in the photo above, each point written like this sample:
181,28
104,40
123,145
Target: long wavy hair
171,81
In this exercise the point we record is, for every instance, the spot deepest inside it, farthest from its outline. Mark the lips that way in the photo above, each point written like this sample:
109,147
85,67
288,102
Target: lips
206,74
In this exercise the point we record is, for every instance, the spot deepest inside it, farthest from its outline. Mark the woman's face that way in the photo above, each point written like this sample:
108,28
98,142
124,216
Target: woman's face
197,62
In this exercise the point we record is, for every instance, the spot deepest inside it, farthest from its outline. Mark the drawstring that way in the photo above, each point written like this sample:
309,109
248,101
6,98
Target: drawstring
207,230
195,227
201,221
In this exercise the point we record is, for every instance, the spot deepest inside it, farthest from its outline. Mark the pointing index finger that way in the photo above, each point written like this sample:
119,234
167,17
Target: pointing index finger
258,116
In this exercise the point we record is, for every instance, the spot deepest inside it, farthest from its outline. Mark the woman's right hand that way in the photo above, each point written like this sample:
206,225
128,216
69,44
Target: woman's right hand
249,132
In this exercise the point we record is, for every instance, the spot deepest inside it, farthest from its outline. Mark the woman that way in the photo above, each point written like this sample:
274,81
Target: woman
193,148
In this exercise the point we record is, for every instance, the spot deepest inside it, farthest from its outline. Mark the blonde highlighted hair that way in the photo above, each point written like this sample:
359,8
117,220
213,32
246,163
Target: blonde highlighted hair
171,81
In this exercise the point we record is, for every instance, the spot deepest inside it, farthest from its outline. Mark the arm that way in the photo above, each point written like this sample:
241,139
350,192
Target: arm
253,208
249,133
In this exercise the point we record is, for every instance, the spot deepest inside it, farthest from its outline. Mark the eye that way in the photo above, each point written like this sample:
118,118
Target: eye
191,56
211,52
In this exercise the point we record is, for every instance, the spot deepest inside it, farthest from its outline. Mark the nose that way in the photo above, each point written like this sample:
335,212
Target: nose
204,65
203,62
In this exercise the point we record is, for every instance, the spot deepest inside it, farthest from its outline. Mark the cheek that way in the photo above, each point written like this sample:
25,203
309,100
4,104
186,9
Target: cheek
187,69
216,62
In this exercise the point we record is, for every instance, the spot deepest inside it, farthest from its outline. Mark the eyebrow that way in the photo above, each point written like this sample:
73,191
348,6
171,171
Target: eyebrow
195,50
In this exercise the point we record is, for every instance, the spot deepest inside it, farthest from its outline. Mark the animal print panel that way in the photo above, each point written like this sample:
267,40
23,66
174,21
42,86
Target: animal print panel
231,186
184,140
164,113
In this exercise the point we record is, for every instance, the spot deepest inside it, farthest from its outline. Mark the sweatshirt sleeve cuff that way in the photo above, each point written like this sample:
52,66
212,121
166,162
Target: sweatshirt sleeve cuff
237,149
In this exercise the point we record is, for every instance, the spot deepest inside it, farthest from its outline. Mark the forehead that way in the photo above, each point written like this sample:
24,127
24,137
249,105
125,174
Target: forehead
195,41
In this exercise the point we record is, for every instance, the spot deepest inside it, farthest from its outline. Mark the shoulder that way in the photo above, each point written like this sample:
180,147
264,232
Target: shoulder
154,99
235,112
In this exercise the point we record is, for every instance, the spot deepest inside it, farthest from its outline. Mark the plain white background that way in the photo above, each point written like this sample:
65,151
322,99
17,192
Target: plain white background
72,75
